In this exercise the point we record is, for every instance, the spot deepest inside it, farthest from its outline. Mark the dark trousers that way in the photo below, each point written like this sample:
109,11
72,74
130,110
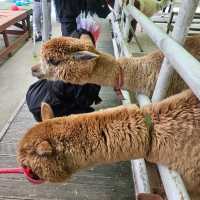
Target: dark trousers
67,28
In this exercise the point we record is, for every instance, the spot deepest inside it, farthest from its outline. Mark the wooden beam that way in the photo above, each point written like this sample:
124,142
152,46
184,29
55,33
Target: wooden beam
5,52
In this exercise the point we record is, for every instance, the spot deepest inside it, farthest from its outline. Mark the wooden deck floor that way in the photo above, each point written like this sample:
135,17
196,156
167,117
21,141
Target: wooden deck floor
113,182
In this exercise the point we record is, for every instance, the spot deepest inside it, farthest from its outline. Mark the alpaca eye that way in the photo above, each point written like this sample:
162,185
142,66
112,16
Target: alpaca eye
53,62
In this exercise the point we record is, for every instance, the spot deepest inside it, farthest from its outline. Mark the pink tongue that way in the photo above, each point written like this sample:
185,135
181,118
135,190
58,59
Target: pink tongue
19,170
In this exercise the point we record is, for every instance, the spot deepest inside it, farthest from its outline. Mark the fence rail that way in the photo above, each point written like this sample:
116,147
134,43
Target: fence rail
183,62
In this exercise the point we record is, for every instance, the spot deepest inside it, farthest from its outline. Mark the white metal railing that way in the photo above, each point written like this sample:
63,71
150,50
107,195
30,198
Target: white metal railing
45,10
173,184
174,52
181,59
140,175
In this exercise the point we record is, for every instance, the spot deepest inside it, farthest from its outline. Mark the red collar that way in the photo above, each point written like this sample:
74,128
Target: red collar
119,84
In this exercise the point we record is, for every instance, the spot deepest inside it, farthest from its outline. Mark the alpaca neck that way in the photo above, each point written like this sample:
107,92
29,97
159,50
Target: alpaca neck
113,135
106,71
140,73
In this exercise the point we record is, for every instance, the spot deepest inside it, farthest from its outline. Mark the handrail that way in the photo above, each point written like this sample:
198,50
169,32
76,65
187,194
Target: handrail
140,175
176,54
180,58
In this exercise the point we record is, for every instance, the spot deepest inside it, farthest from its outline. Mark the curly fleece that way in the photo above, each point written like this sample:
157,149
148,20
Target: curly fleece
57,148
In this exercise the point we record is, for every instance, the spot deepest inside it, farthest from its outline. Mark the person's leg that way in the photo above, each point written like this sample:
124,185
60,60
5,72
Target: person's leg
49,19
67,28
37,20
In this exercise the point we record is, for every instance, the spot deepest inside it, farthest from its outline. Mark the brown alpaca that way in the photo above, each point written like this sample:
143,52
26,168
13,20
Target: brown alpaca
77,61
57,148
147,7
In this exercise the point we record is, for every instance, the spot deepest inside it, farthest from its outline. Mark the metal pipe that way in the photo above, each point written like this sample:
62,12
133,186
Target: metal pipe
184,19
117,33
126,29
175,53
45,33
180,31
139,170
34,42
173,184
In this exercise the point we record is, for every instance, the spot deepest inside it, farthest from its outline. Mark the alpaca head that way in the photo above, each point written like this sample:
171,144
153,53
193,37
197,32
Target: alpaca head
68,59
38,152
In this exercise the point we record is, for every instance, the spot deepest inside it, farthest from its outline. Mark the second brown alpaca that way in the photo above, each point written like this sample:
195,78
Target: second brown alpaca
77,61
57,148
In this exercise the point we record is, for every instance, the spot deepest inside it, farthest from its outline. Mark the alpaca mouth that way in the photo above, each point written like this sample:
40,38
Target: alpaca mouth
31,176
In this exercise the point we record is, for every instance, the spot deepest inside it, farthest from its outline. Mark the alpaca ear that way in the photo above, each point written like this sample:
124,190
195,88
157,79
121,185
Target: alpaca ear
44,149
84,55
46,111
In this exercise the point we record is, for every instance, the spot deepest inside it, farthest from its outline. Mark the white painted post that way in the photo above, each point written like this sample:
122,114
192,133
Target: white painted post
34,42
126,29
185,16
117,33
45,33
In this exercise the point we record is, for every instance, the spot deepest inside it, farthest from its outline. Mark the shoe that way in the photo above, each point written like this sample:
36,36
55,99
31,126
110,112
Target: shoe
38,38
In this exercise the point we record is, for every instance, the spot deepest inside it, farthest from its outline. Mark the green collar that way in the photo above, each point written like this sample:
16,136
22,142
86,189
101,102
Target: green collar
148,121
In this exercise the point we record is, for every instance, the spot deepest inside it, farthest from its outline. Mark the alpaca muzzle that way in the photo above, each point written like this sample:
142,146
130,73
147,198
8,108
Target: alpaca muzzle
36,71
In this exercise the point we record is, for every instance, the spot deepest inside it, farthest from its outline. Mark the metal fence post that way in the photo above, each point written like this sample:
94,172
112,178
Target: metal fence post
185,16
45,10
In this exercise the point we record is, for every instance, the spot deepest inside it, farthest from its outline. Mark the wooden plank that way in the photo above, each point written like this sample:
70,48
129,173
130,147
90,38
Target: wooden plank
14,32
5,37
8,18
6,51
94,184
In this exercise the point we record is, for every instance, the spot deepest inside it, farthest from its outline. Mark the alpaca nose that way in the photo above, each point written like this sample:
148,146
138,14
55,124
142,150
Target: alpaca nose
36,72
